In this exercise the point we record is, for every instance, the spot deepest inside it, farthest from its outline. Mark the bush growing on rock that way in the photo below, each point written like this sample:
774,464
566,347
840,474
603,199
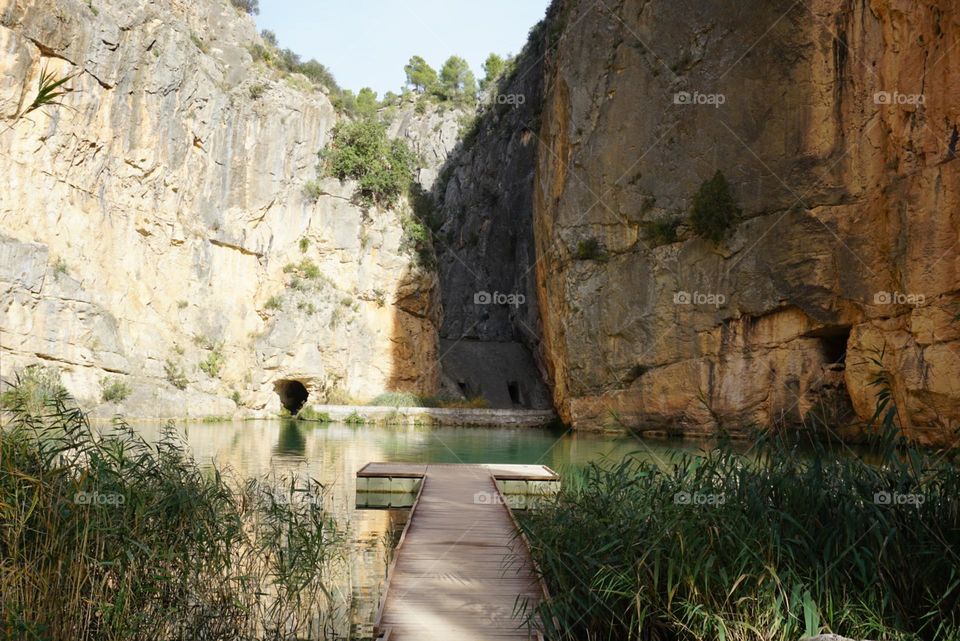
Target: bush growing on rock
714,209
113,390
251,7
361,151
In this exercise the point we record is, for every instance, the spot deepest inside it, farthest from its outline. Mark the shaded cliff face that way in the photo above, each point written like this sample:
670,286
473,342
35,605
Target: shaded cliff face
482,194
157,224
836,126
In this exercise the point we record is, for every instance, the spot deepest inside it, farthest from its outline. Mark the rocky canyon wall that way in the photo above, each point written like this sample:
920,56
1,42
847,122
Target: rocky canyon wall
155,229
836,125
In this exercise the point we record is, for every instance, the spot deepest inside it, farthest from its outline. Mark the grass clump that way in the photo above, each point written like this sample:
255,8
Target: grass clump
590,249
213,363
173,370
717,547
306,268
361,151
354,419
113,389
307,413
274,303
661,232
714,210
107,536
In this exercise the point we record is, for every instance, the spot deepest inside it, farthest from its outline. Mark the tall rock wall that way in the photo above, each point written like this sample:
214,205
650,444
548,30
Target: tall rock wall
836,124
157,221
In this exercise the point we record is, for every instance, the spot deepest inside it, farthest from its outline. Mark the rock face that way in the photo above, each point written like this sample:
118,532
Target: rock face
836,124
484,200
155,227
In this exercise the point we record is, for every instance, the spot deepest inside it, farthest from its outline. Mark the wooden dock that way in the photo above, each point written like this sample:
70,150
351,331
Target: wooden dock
460,568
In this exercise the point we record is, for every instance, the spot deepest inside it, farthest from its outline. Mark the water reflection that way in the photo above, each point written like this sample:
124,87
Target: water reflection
291,441
332,454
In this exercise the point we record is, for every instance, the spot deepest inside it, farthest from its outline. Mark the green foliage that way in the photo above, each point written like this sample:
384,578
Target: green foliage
312,190
306,268
421,76
175,374
257,90
274,302
106,536
367,104
235,397
49,91
361,151
304,244
714,209
661,232
288,62
213,363
494,67
456,80
354,419
716,546
590,249
182,304
346,103
270,38
251,7
113,389
307,413
59,267
32,391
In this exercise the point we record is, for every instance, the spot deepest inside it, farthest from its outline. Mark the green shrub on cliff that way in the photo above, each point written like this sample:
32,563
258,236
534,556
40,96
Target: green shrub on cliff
113,390
714,209
361,151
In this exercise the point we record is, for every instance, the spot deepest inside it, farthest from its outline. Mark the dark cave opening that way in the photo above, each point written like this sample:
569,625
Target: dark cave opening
834,346
292,394
513,389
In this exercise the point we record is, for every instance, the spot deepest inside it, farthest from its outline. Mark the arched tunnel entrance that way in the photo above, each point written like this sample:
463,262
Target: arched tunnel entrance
292,394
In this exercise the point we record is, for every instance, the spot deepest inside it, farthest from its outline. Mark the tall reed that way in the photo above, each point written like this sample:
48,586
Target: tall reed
106,536
776,547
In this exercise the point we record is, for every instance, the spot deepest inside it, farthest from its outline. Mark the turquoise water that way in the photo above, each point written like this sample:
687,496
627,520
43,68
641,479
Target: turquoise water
332,454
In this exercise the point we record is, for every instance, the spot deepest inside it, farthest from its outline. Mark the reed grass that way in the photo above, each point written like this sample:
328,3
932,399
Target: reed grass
779,547
106,536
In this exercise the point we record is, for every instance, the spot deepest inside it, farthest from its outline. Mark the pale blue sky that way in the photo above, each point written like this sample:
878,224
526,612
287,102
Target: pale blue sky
365,43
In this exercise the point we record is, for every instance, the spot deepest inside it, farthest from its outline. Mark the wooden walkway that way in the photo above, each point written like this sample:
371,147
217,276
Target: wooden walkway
460,566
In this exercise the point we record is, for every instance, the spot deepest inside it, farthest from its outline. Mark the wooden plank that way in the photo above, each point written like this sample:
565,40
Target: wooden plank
460,567
503,472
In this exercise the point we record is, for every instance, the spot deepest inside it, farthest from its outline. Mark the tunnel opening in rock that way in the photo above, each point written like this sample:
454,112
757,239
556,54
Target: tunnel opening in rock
513,389
834,346
293,395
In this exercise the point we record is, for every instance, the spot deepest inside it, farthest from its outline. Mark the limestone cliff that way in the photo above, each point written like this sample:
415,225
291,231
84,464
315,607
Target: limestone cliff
836,124
155,227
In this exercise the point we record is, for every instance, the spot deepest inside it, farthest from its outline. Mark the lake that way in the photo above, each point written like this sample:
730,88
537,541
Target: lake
332,453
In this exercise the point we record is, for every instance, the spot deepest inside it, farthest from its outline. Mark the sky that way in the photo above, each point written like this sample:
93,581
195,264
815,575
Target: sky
366,43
